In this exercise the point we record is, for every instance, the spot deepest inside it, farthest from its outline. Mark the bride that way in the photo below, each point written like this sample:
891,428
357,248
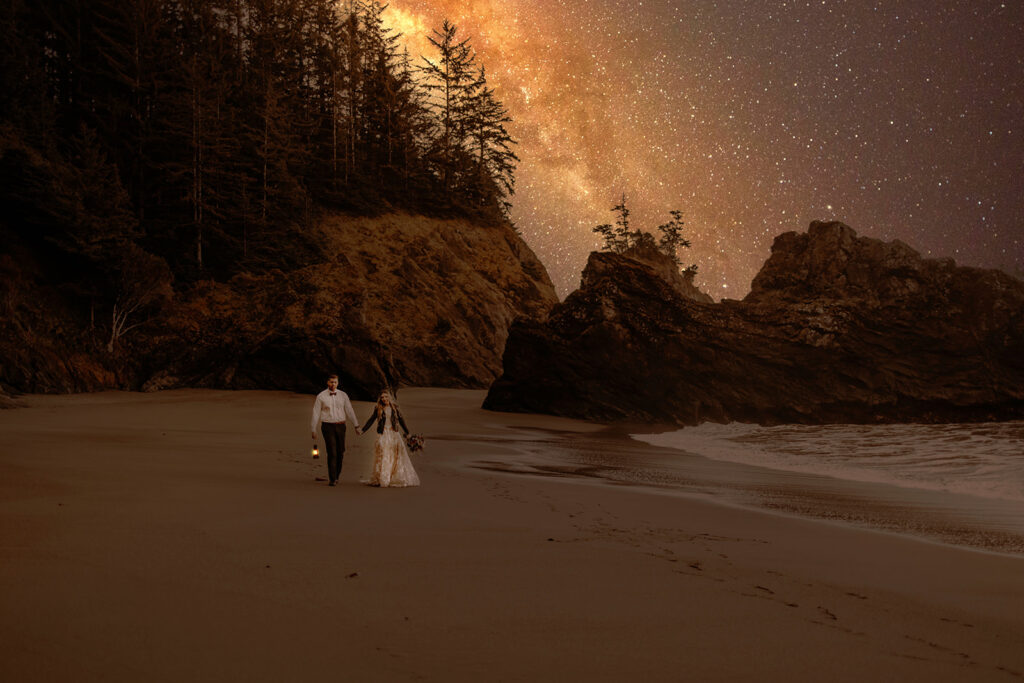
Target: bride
391,463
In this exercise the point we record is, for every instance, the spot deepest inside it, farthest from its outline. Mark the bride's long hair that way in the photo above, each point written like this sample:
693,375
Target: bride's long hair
391,400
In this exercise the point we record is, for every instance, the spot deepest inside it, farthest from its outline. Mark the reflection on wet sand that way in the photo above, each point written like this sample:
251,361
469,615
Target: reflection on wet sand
609,457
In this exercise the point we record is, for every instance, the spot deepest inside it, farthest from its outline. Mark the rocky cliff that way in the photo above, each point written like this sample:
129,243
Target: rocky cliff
836,328
396,299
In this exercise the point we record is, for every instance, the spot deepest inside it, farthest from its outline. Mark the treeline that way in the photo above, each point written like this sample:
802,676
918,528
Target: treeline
207,134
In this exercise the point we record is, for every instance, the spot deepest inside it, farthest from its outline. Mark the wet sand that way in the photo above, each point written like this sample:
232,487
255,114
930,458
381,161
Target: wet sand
184,536
609,457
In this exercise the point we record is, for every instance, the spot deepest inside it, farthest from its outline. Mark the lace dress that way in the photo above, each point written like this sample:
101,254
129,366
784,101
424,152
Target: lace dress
391,463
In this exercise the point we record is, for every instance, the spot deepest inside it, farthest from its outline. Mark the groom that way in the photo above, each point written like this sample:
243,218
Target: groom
332,409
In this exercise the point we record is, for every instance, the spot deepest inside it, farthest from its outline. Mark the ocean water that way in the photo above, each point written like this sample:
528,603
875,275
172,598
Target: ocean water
985,460
960,484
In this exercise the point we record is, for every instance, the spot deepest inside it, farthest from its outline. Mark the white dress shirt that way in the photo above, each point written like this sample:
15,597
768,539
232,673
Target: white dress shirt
333,406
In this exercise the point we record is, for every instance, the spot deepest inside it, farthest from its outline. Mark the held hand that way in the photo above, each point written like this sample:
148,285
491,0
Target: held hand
314,436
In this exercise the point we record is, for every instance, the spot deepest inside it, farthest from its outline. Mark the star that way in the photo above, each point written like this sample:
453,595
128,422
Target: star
754,118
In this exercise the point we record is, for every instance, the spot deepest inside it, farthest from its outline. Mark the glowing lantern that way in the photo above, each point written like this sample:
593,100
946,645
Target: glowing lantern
316,451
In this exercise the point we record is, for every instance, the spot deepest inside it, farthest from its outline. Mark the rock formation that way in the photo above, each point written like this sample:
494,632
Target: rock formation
396,299
836,328
663,265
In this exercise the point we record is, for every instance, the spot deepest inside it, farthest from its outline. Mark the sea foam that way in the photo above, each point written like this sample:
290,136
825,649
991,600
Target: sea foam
980,459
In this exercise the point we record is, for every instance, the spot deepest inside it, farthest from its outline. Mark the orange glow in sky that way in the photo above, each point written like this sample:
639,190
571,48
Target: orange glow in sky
753,120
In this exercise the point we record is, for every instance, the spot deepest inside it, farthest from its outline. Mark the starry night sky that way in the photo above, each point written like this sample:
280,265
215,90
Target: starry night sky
902,118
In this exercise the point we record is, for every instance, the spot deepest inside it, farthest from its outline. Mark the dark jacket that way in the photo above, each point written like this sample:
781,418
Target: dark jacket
396,419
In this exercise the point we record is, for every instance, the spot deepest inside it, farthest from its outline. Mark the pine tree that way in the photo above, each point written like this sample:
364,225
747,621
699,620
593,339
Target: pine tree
491,145
452,81
380,90
672,236
620,237
616,237
607,233
279,120
353,88
327,73
411,135
130,38
199,136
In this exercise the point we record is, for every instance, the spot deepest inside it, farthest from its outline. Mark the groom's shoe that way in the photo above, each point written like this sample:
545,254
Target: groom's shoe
333,483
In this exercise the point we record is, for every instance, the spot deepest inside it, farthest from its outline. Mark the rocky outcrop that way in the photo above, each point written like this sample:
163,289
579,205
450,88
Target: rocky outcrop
664,266
396,299
836,328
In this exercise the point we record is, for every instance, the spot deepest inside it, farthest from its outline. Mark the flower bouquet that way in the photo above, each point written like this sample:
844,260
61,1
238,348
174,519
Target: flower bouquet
414,442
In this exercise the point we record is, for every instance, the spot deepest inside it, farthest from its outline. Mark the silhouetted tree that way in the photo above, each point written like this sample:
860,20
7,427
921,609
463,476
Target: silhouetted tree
452,81
491,146
411,135
620,237
672,236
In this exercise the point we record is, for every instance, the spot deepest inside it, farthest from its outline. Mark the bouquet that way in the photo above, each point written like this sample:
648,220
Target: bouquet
414,442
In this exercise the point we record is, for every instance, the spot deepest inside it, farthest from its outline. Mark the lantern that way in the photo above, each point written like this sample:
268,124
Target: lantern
316,452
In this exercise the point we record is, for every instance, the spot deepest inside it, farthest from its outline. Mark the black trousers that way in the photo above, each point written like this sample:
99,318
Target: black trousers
334,442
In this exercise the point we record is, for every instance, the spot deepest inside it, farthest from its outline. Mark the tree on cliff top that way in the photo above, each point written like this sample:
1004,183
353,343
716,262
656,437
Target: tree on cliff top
672,239
620,237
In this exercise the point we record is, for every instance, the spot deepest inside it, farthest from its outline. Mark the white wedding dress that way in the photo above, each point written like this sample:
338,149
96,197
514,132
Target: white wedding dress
391,463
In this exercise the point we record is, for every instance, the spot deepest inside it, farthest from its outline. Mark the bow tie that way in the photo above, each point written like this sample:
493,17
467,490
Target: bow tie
333,393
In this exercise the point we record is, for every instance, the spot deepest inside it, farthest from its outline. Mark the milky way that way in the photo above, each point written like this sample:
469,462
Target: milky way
902,119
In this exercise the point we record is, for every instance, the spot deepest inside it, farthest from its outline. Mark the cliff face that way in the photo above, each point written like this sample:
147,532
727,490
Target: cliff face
836,328
396,299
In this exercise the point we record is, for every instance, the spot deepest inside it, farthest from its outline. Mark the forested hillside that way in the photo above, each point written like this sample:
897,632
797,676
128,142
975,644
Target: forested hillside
148,145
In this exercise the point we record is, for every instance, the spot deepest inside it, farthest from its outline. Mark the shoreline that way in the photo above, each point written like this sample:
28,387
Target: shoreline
918,513
182,536
782,513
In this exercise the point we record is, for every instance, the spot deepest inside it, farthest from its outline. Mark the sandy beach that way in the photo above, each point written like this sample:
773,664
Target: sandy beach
184,536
